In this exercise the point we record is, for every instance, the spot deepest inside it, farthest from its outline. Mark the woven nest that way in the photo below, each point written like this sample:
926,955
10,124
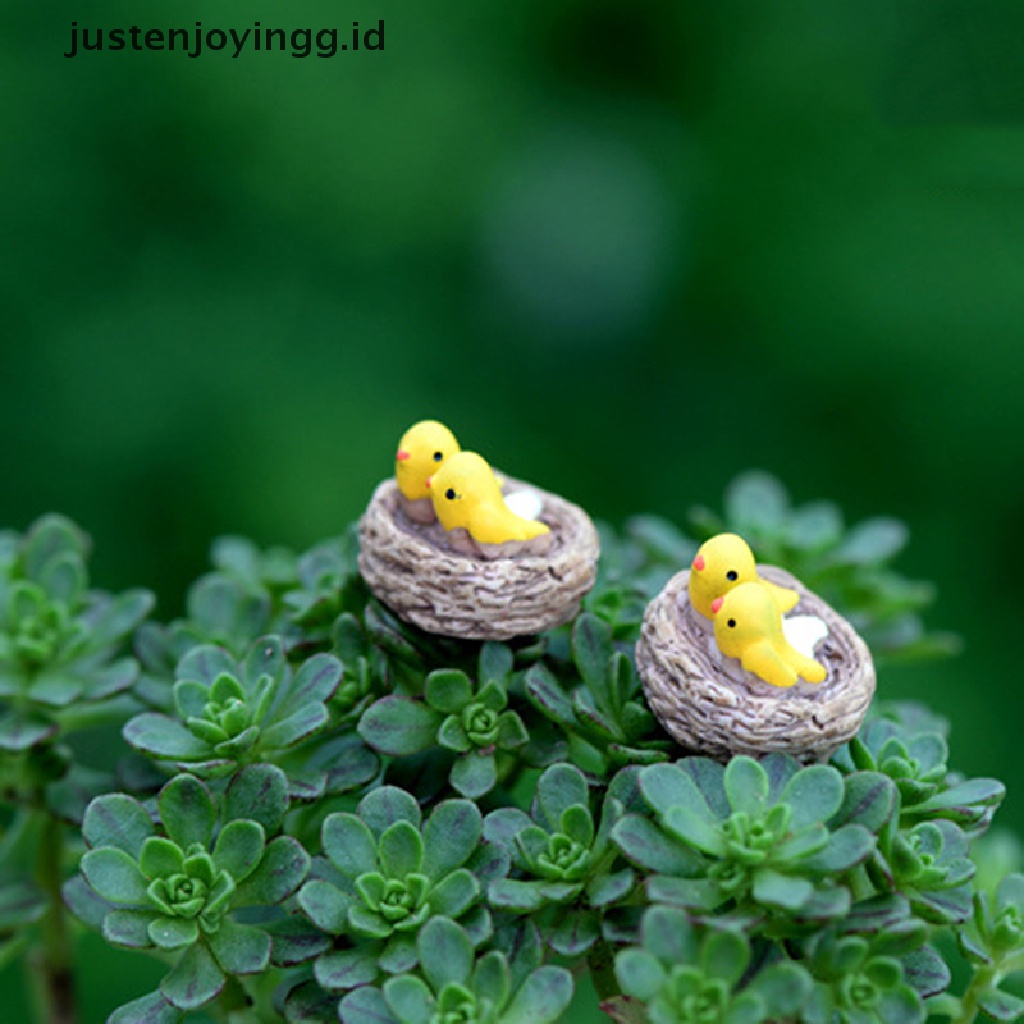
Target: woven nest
422,575
710,705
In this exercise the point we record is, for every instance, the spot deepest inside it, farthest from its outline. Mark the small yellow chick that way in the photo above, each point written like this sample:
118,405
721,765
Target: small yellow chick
748,626
723,562
422,450
466,494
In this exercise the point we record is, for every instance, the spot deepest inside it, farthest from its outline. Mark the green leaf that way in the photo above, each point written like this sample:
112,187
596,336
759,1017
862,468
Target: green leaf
746,785
668,934
194,981
160,857
448,690
578,825
639,974
491,978
385,805
187,811
345,969
755,503
258,792
349,844
239,848
129,928
690,828
577,931
316,680
643,843
399,726
473,774
694,893
901,1005
781,890
282,869
725,955
511,731
515,895
446,954
450,835
325,905
560,787
783,987
665,786
117,820
151,1009
545,693
815,794
872,541
869,799
542,998
23,730
308,1003
607,889
114,875
592,647
454,894
294,940
1001,1005
173,932
409,999
240,948
401,850
846,847
289,731
365,1006
453,736
926,971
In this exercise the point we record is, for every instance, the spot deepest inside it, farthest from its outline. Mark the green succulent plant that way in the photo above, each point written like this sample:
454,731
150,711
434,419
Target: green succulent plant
569,869
754,837
368,823
180,891
458,986
685,974
387,872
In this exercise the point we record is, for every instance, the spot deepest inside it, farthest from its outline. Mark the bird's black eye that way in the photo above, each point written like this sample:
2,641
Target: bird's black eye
450,494
438,456
732,575
731,623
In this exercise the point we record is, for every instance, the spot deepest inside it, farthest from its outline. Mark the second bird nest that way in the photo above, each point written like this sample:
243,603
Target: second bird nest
710,705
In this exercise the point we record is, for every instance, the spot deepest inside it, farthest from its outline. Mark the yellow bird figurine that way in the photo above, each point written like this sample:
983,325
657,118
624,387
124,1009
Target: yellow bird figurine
723,562
748,626
424,446
465,493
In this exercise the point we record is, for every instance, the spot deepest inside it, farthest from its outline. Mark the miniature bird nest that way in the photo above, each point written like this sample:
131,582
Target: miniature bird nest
710,705
414,571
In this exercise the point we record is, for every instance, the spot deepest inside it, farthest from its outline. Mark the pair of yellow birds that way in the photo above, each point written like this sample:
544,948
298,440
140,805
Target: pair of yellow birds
464,490
747,612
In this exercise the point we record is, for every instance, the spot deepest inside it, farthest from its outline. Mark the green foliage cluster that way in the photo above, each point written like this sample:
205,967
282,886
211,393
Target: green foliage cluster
321,813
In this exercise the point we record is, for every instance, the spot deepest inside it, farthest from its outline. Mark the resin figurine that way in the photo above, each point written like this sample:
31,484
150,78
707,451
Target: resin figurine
725,562
460,550
790,675
466,495
421,452
748,626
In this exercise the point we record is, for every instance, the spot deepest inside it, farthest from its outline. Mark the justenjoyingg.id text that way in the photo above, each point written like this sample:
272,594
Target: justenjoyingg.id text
256,38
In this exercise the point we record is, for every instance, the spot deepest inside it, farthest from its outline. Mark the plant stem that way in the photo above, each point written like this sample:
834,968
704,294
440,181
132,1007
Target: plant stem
51,963
982,979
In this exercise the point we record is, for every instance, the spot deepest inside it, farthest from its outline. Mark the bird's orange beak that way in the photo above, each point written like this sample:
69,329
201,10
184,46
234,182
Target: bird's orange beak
716,605
698,563
403,455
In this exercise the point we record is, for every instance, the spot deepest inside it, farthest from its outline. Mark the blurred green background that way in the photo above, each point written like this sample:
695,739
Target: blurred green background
623,248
